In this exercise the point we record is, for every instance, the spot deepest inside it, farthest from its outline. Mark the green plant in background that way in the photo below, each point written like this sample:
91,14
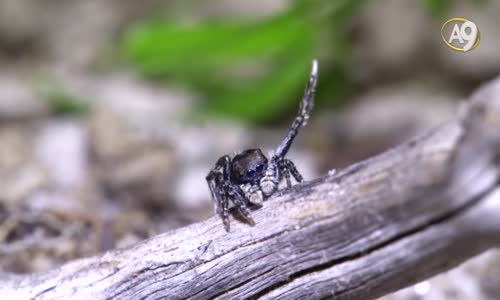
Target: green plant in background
441,7
60,100
436,7
253,70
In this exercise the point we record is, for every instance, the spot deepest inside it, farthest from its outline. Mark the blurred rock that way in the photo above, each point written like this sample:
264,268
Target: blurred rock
475,279
389,38
67,32
192,192
130,166
134,158
31,242
22,25
201,143
398,111
21,175
131,226
17,99
240,8
379,119
489,276
45,218
61,147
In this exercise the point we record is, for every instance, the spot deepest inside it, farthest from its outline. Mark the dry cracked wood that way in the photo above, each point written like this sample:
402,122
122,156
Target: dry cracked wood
373,228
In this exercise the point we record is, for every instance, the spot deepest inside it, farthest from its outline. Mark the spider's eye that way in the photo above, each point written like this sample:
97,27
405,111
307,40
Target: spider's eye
250,172
259,167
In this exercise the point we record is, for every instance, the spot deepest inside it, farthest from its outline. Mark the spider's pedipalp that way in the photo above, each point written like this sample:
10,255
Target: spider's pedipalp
253,194
271,179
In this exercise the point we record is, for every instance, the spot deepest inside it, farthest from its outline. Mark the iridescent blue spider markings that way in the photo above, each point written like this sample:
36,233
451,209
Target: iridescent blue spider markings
249,177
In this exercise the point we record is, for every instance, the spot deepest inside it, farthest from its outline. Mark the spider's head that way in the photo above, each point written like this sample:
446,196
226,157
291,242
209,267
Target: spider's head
248,166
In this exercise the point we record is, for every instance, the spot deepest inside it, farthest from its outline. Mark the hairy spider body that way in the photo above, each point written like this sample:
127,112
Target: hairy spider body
249,177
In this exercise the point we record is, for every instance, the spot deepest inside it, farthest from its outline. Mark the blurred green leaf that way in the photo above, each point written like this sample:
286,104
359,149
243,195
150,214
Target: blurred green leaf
157,48
265,99
213,57
67,105
436,7
60,100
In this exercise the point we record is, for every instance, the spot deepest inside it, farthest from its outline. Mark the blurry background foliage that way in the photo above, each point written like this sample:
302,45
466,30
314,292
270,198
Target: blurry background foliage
61,101
253,70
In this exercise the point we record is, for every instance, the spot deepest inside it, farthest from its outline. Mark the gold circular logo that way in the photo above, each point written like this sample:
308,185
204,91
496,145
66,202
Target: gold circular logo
460,34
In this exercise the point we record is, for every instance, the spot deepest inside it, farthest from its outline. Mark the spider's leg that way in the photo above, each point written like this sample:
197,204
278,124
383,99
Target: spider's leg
215,189
220,196
305,108
224,212
289,166
240,202
218,179
286,173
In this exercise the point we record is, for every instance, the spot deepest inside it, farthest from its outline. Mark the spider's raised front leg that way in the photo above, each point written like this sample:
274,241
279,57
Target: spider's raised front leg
279,166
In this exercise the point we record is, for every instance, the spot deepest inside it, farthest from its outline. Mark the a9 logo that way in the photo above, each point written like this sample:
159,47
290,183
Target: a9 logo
460,34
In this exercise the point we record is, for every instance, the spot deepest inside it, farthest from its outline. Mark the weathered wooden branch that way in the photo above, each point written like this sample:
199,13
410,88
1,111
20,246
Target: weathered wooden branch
368,230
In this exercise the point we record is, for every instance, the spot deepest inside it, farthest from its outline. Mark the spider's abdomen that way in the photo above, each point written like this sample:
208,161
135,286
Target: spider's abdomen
248,166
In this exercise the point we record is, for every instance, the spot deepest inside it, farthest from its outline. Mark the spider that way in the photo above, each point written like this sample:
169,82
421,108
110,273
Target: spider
249,177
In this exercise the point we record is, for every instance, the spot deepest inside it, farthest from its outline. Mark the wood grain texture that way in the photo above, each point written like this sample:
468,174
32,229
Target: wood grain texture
370,229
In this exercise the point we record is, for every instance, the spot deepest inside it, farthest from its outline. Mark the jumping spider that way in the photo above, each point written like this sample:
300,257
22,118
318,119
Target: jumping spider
249,177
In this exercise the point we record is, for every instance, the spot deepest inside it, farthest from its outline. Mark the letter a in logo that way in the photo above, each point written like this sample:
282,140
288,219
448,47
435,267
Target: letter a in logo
455,34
